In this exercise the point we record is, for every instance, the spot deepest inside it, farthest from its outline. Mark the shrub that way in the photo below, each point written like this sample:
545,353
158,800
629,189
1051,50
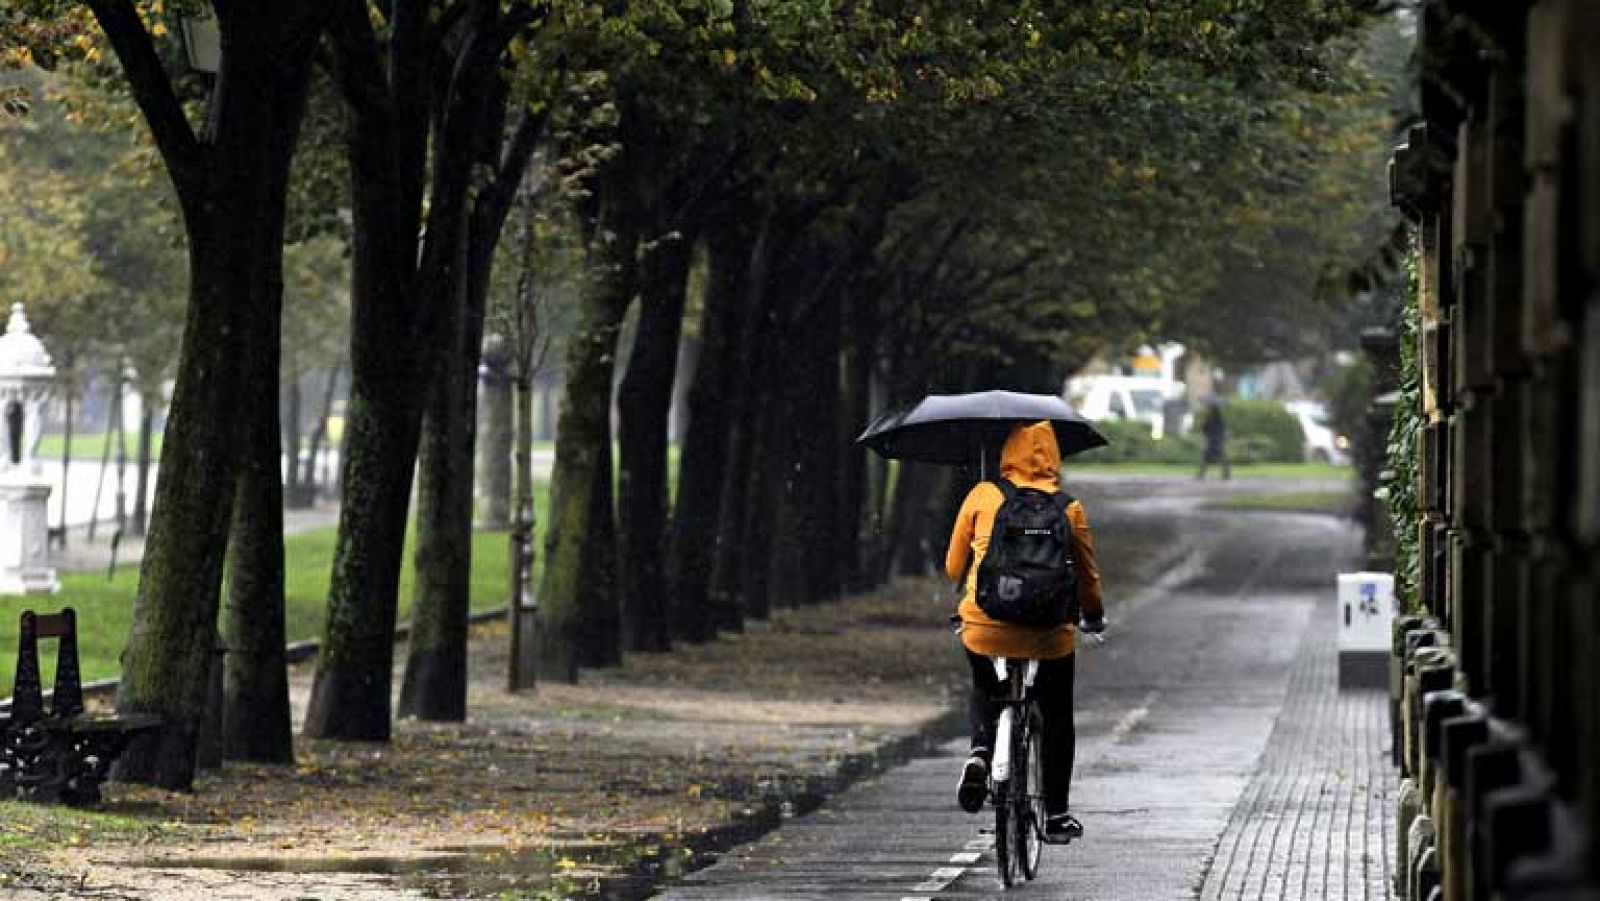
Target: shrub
1262,431
1259,431
1131,443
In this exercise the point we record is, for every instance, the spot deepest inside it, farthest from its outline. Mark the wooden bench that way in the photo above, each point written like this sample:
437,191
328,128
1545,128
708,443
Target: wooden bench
59,754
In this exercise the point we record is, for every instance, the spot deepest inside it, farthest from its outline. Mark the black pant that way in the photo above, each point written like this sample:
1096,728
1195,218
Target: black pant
1053,689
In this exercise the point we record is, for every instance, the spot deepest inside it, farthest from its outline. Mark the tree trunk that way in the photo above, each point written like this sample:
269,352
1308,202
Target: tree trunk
819,551
147,427
294,489
234,239
66,465
105,453
256,716
701,469
350,695
435,684
752,375
908,500
411,145
494,447
583,456
645,405
855,405
319,435
599,594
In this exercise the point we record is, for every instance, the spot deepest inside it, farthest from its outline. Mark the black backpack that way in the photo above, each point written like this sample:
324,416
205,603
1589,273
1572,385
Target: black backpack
1027,576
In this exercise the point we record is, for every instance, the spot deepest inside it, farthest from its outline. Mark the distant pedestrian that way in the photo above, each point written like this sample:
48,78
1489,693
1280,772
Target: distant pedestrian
1030,465
1215,428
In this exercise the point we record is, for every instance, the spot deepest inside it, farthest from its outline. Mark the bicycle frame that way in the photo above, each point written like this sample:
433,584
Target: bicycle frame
1000,767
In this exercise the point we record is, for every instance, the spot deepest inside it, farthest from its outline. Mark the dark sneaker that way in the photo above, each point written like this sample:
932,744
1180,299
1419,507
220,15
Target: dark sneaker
1063,828
974,783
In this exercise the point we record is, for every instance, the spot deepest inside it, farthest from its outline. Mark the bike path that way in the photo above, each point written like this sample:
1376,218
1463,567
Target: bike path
1195,769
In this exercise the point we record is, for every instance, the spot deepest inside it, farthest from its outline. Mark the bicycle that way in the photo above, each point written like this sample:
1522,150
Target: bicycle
1019,812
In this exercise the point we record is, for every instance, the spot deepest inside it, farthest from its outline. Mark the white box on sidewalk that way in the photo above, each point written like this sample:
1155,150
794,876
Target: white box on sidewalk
1367,607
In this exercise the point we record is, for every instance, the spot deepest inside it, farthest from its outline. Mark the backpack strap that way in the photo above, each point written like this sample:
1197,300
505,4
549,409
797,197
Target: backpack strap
1007,488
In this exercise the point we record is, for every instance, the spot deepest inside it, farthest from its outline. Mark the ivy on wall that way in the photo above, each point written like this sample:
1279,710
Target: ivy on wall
1401,488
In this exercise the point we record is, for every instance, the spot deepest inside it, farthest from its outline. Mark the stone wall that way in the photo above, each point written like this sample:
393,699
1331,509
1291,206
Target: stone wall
1497,683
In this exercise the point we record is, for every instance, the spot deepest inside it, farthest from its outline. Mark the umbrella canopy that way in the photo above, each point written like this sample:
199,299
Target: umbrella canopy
964,429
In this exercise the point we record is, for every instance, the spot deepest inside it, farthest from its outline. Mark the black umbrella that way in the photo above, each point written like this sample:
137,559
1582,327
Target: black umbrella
962,429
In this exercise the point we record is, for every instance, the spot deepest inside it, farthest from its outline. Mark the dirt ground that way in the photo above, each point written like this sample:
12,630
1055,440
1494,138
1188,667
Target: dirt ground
586,789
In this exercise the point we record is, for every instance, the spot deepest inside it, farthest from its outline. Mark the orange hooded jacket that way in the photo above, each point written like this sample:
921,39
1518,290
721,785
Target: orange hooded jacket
1031,459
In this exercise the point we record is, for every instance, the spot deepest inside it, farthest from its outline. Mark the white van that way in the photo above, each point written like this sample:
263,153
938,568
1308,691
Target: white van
1141,398
1323,445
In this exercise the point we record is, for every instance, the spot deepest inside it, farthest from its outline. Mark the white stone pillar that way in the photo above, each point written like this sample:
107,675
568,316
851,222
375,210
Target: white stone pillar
26,378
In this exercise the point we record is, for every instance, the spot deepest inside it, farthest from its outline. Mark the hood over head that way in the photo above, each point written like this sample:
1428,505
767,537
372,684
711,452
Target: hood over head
1031,455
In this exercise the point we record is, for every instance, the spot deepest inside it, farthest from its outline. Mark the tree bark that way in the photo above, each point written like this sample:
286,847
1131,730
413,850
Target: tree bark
399,325
495,445
319,434
701,468
599,595
256,717
66,464
814,489
105,452
583,458
294,490
855,405
729,578
435,684
231,188
645,403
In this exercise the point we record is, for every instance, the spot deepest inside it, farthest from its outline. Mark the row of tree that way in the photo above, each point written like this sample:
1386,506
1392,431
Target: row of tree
846,205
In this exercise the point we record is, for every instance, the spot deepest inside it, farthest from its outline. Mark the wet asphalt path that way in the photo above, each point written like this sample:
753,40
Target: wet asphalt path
1174,715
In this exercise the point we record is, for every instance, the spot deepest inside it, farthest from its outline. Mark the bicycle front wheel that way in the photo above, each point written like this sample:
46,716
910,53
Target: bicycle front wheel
1007,852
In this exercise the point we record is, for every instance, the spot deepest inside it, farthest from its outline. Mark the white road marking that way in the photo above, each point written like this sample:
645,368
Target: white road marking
940,880
1132,719
980,844
966,857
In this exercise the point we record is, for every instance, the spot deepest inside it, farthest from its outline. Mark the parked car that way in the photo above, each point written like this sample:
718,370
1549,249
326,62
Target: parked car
1140,398
1323,444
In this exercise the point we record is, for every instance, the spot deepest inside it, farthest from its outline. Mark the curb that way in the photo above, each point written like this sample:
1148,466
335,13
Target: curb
662,869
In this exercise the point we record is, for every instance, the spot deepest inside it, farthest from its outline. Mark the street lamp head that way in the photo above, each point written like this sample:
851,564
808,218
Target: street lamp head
202,41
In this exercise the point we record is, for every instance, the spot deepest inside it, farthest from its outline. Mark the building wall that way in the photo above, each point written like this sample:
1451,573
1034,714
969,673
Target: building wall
1498,723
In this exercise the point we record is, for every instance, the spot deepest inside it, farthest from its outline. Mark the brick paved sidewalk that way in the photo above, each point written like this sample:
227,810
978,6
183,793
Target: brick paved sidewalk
1315,820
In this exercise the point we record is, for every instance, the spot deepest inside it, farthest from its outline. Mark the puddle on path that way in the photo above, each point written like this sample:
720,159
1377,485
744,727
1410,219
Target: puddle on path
603,868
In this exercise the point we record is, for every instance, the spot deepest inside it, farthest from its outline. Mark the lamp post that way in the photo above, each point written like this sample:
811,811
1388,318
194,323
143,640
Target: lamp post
202,41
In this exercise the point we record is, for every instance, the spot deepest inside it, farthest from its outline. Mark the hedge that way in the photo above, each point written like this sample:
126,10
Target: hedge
1259,431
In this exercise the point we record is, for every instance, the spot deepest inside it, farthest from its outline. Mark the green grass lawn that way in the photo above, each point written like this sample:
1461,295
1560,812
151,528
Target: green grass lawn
1288,501
1255,470
90,445
105,607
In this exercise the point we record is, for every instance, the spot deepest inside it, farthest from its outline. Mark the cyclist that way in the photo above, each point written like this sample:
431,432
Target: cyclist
1031,459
